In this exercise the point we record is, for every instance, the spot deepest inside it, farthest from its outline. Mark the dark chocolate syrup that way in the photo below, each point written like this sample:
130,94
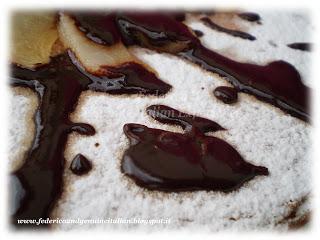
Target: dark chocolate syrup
168,161
154,30
168,115
225,94
301,46
278,82
80,165
249,16
58,86
198,33
209,23
178,15
38,183
99,27
128,78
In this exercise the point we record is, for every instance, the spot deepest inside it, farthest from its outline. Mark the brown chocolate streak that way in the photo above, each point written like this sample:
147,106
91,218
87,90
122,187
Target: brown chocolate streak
37,185
208,22
168,161
278,83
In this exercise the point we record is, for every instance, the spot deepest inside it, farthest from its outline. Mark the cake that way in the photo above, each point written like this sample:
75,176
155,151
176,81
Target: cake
252,97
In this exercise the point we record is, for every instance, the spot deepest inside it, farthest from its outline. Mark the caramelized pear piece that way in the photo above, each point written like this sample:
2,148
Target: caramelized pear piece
92,55
33,35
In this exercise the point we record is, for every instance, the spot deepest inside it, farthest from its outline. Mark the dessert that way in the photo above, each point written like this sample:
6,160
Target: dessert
200,162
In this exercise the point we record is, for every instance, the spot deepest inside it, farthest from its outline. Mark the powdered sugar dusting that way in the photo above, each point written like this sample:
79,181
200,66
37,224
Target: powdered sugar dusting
23,106
276,31
262,134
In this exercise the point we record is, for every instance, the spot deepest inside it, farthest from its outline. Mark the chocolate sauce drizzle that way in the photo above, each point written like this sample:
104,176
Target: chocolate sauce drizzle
98,27
127,78
225,94
205,162
249,16
168,161
277,83
80,165
168,115
38,183
301,46
209,23
198,33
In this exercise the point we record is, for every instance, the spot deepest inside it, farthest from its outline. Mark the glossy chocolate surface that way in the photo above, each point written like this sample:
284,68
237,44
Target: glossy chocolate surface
168,161
198,33
80,165
278,82
301,46
227,95
250,16
179,162
38,183
208,22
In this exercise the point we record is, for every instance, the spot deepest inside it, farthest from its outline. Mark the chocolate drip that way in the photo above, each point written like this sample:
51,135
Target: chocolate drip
278,83
198,33
227,95
82,128
127,78
98,27
58,86
179,16
80,165
209,23
168,161
168,115
38,183
150,30
251,17
301,46
179,162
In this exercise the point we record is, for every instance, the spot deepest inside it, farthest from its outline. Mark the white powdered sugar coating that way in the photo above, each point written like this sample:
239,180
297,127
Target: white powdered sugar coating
261,133
276,31
21,125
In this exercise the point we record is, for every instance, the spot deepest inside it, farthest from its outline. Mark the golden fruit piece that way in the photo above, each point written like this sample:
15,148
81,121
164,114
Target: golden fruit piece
33,35
89,53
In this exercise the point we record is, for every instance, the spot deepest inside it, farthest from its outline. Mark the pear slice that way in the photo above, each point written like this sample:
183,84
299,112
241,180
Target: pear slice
32,37
89,53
